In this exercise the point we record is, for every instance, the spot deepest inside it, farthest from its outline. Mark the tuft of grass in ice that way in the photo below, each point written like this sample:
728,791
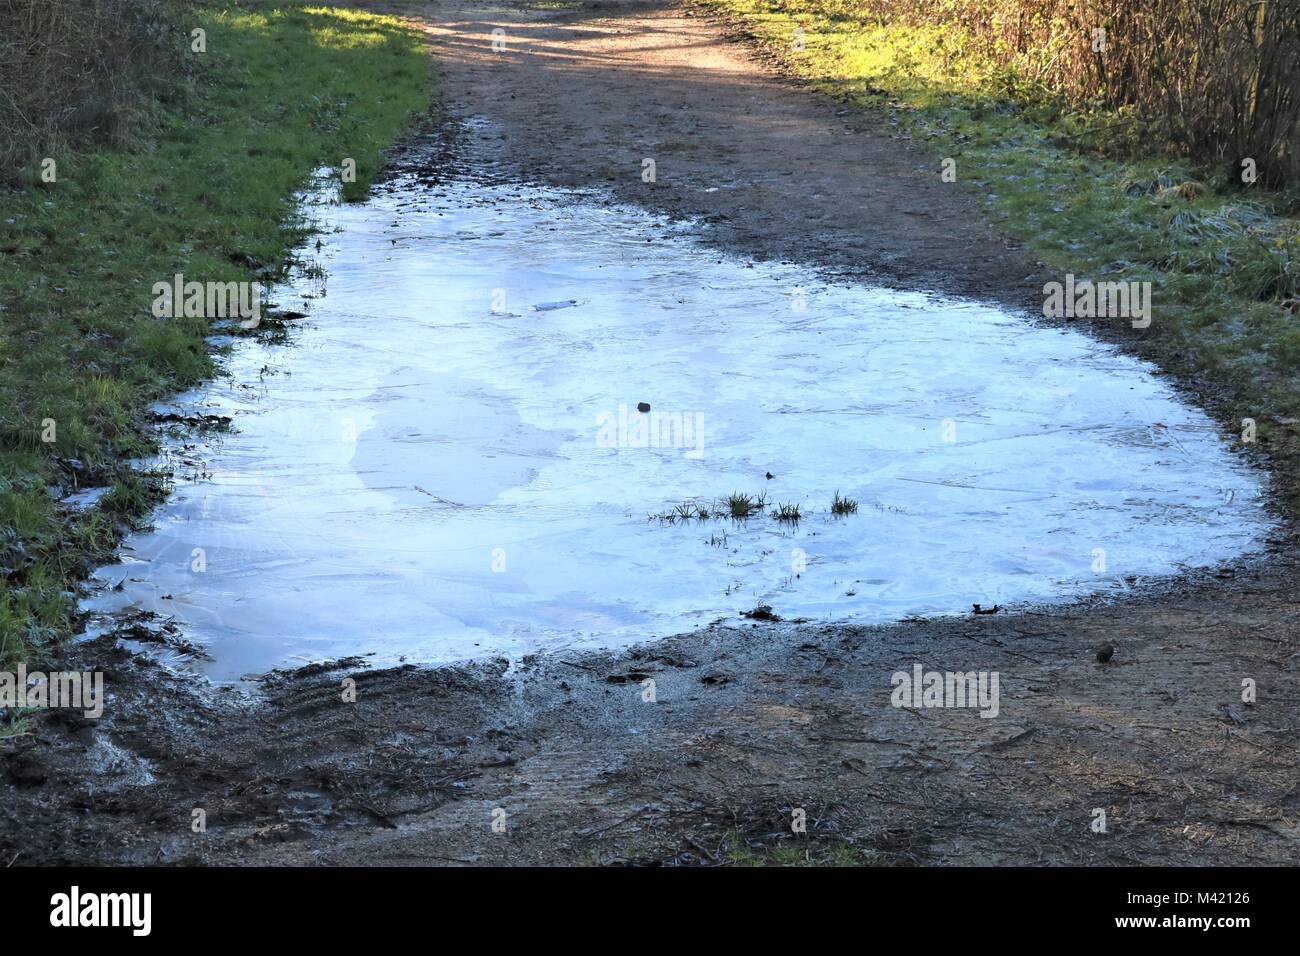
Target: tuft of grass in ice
843,506
741,506
787,512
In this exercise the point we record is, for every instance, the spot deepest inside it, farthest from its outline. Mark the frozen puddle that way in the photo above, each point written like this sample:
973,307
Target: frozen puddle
426,471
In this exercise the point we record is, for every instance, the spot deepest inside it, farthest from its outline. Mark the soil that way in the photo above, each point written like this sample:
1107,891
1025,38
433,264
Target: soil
751,721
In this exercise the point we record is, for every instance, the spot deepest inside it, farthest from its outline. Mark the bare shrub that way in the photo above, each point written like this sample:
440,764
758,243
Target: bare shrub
1219,78
80,70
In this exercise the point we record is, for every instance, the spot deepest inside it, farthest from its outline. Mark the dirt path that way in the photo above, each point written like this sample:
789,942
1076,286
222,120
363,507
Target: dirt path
584,96
750,723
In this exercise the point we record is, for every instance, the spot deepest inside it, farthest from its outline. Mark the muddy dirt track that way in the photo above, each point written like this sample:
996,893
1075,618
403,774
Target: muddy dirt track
584,97
752,721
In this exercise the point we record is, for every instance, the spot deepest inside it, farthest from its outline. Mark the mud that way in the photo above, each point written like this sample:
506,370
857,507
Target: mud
750,722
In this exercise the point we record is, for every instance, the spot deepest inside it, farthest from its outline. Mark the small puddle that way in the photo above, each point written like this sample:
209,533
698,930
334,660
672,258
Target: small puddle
444,462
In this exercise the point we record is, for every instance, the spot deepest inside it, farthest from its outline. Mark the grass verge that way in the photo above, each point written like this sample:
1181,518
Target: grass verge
1222,256
205,190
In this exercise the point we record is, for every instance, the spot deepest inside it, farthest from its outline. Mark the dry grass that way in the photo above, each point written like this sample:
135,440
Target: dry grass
81,71
1218,78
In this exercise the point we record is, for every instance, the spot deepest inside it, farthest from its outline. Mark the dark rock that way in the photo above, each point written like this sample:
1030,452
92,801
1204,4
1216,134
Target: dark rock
761,613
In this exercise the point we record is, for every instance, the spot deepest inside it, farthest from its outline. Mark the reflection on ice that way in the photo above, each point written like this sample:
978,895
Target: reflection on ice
451,461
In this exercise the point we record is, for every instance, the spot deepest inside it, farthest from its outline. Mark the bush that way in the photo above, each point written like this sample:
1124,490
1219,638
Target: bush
1218,78
75,71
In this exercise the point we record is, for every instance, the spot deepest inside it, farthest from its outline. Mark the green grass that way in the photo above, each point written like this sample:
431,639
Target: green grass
843,506
788,512
740,505
1223,258
206,190
15,726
